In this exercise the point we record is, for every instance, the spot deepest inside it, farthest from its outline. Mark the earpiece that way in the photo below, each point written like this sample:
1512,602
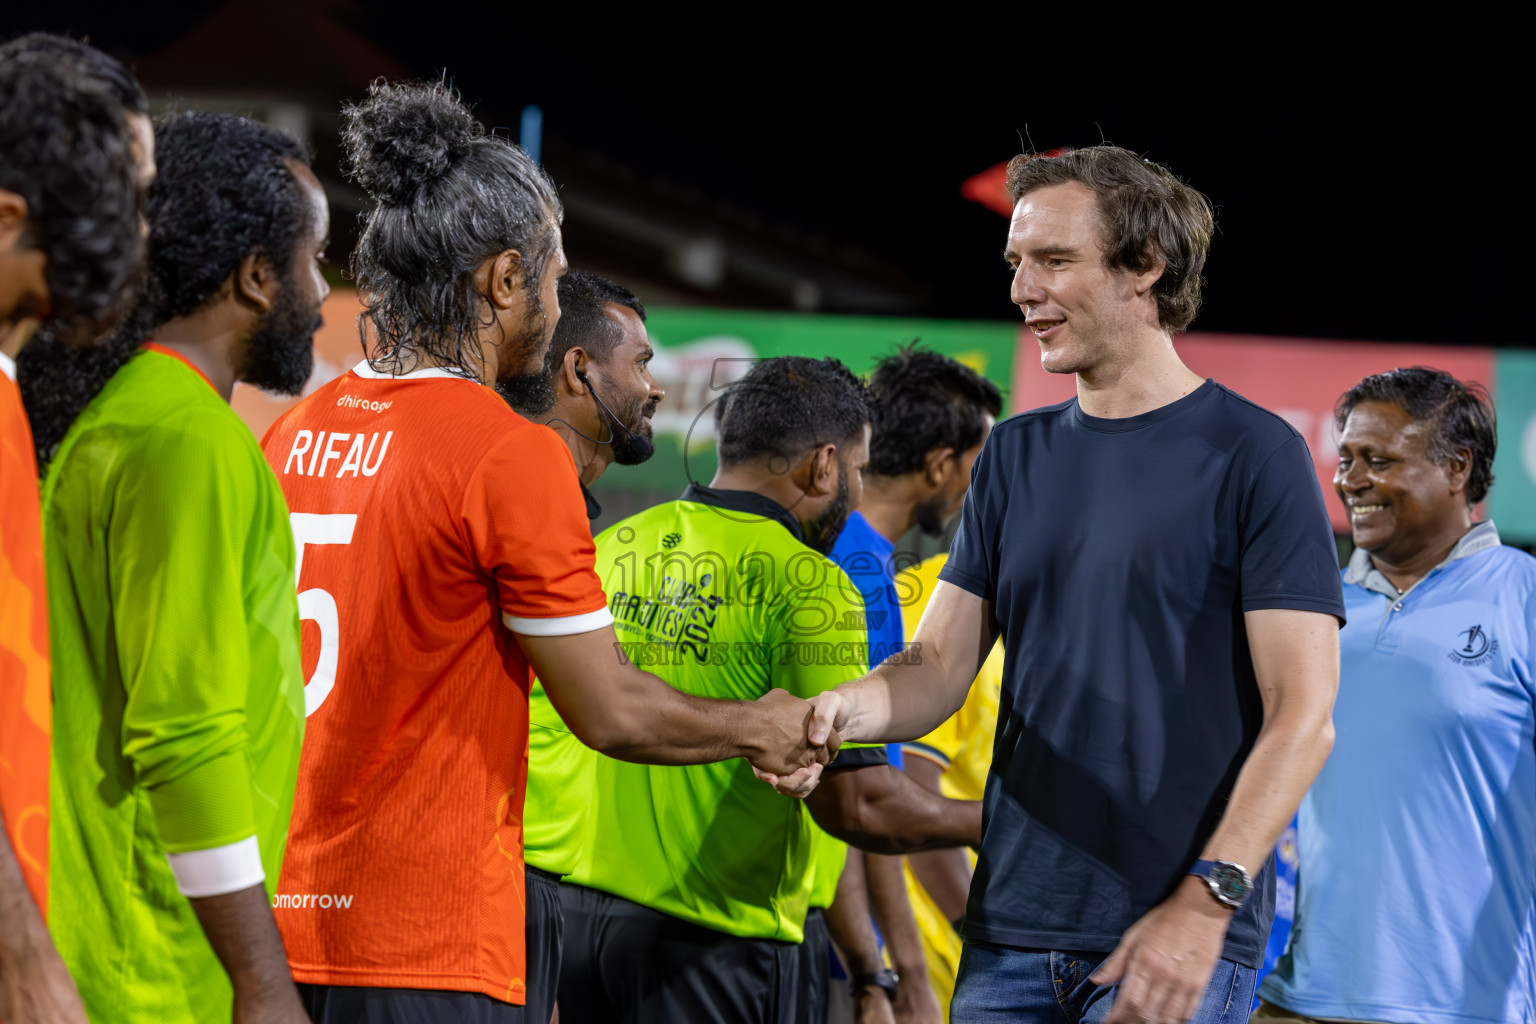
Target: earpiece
613,420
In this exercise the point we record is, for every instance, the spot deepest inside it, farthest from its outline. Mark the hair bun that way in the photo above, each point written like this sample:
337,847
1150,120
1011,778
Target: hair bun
404,137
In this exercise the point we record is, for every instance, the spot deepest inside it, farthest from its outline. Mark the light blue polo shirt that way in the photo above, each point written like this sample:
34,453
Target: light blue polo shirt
1417,893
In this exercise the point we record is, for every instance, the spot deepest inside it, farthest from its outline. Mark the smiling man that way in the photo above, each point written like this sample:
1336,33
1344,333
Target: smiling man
1418,903
1156,556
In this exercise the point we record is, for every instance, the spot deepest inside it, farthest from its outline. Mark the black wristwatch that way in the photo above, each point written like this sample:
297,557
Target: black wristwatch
1228,883
882,978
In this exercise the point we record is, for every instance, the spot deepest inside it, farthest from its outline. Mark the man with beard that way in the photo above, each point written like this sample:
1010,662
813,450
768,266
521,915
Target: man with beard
70,252
599,400
929,418
689,900
177,687
445,556
605,419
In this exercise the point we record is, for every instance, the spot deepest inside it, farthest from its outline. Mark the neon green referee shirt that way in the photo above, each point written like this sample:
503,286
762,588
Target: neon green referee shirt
718,595
178,692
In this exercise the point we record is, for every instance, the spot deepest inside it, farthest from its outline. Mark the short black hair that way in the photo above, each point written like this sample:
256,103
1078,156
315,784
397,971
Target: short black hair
224,192
65,150
583,321
100,67
789,404
447,197
1460,415
921,401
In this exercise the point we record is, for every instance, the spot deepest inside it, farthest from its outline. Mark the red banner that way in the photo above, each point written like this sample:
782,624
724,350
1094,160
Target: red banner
1298,379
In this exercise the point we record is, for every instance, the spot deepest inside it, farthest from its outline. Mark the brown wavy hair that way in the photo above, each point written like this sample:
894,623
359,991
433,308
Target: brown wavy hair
1145,214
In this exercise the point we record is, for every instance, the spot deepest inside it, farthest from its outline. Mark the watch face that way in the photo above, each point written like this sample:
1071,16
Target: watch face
1231,884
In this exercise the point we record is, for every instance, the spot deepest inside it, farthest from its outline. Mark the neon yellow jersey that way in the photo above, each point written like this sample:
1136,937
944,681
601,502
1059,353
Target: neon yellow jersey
718,595
962,746
828,861
177,681
561,771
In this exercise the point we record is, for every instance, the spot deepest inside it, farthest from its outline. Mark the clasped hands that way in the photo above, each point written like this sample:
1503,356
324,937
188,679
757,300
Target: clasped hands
799,737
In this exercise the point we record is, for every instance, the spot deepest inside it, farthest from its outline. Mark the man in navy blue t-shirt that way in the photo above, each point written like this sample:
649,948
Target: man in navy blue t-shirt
1156,556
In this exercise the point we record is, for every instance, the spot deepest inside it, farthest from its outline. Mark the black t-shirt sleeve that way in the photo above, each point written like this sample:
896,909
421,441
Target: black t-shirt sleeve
972,563
1289,558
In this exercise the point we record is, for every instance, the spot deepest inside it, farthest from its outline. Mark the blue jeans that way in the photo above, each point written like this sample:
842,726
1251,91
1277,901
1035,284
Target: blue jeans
1001,983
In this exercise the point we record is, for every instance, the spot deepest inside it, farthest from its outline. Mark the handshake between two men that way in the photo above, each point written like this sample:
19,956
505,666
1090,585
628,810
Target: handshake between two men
624,712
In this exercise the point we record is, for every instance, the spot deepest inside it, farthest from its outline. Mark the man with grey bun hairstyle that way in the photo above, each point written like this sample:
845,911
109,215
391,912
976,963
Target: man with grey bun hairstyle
444,557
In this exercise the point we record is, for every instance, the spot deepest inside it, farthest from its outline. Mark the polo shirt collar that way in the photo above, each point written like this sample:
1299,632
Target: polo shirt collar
749,502
1363,574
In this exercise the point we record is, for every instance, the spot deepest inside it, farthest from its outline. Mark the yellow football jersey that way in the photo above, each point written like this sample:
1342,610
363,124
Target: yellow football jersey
962,747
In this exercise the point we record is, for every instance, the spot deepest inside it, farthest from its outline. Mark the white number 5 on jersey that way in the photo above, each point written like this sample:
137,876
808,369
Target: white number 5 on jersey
317,604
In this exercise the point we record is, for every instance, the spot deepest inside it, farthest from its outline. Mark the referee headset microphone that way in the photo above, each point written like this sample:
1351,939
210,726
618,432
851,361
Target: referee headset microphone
613,419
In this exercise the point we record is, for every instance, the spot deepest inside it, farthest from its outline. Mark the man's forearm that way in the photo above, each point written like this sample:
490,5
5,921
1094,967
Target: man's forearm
1296,659
650,722
944,874
34,984
616,708
19,915
1285,759
883,811
244,937
893,913
848,922
910,693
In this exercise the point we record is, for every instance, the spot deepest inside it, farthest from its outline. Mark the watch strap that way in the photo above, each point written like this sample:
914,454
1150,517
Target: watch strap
1216,875
884,979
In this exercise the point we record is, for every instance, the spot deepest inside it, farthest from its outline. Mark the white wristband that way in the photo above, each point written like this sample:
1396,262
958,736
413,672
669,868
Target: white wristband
220,870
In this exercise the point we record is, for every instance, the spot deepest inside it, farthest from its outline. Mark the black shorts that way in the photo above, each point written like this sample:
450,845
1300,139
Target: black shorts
545,930
629,964
815,965
347,1004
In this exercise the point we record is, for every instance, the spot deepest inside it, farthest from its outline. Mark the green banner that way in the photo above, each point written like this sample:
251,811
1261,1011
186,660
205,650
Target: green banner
1512,502
700,352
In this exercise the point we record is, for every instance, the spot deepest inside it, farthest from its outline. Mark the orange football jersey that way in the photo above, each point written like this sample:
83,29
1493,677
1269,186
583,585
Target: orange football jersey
26,700
429,520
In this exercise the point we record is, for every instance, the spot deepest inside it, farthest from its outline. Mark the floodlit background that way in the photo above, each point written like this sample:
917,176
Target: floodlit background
773,180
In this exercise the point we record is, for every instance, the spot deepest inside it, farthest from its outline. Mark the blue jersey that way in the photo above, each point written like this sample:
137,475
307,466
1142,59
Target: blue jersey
865,556
1417,894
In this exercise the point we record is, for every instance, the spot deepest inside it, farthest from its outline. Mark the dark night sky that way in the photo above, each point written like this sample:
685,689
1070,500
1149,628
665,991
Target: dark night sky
1357,196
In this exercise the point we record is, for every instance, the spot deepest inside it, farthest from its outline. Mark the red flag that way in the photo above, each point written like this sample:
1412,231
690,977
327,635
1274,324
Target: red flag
990,189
